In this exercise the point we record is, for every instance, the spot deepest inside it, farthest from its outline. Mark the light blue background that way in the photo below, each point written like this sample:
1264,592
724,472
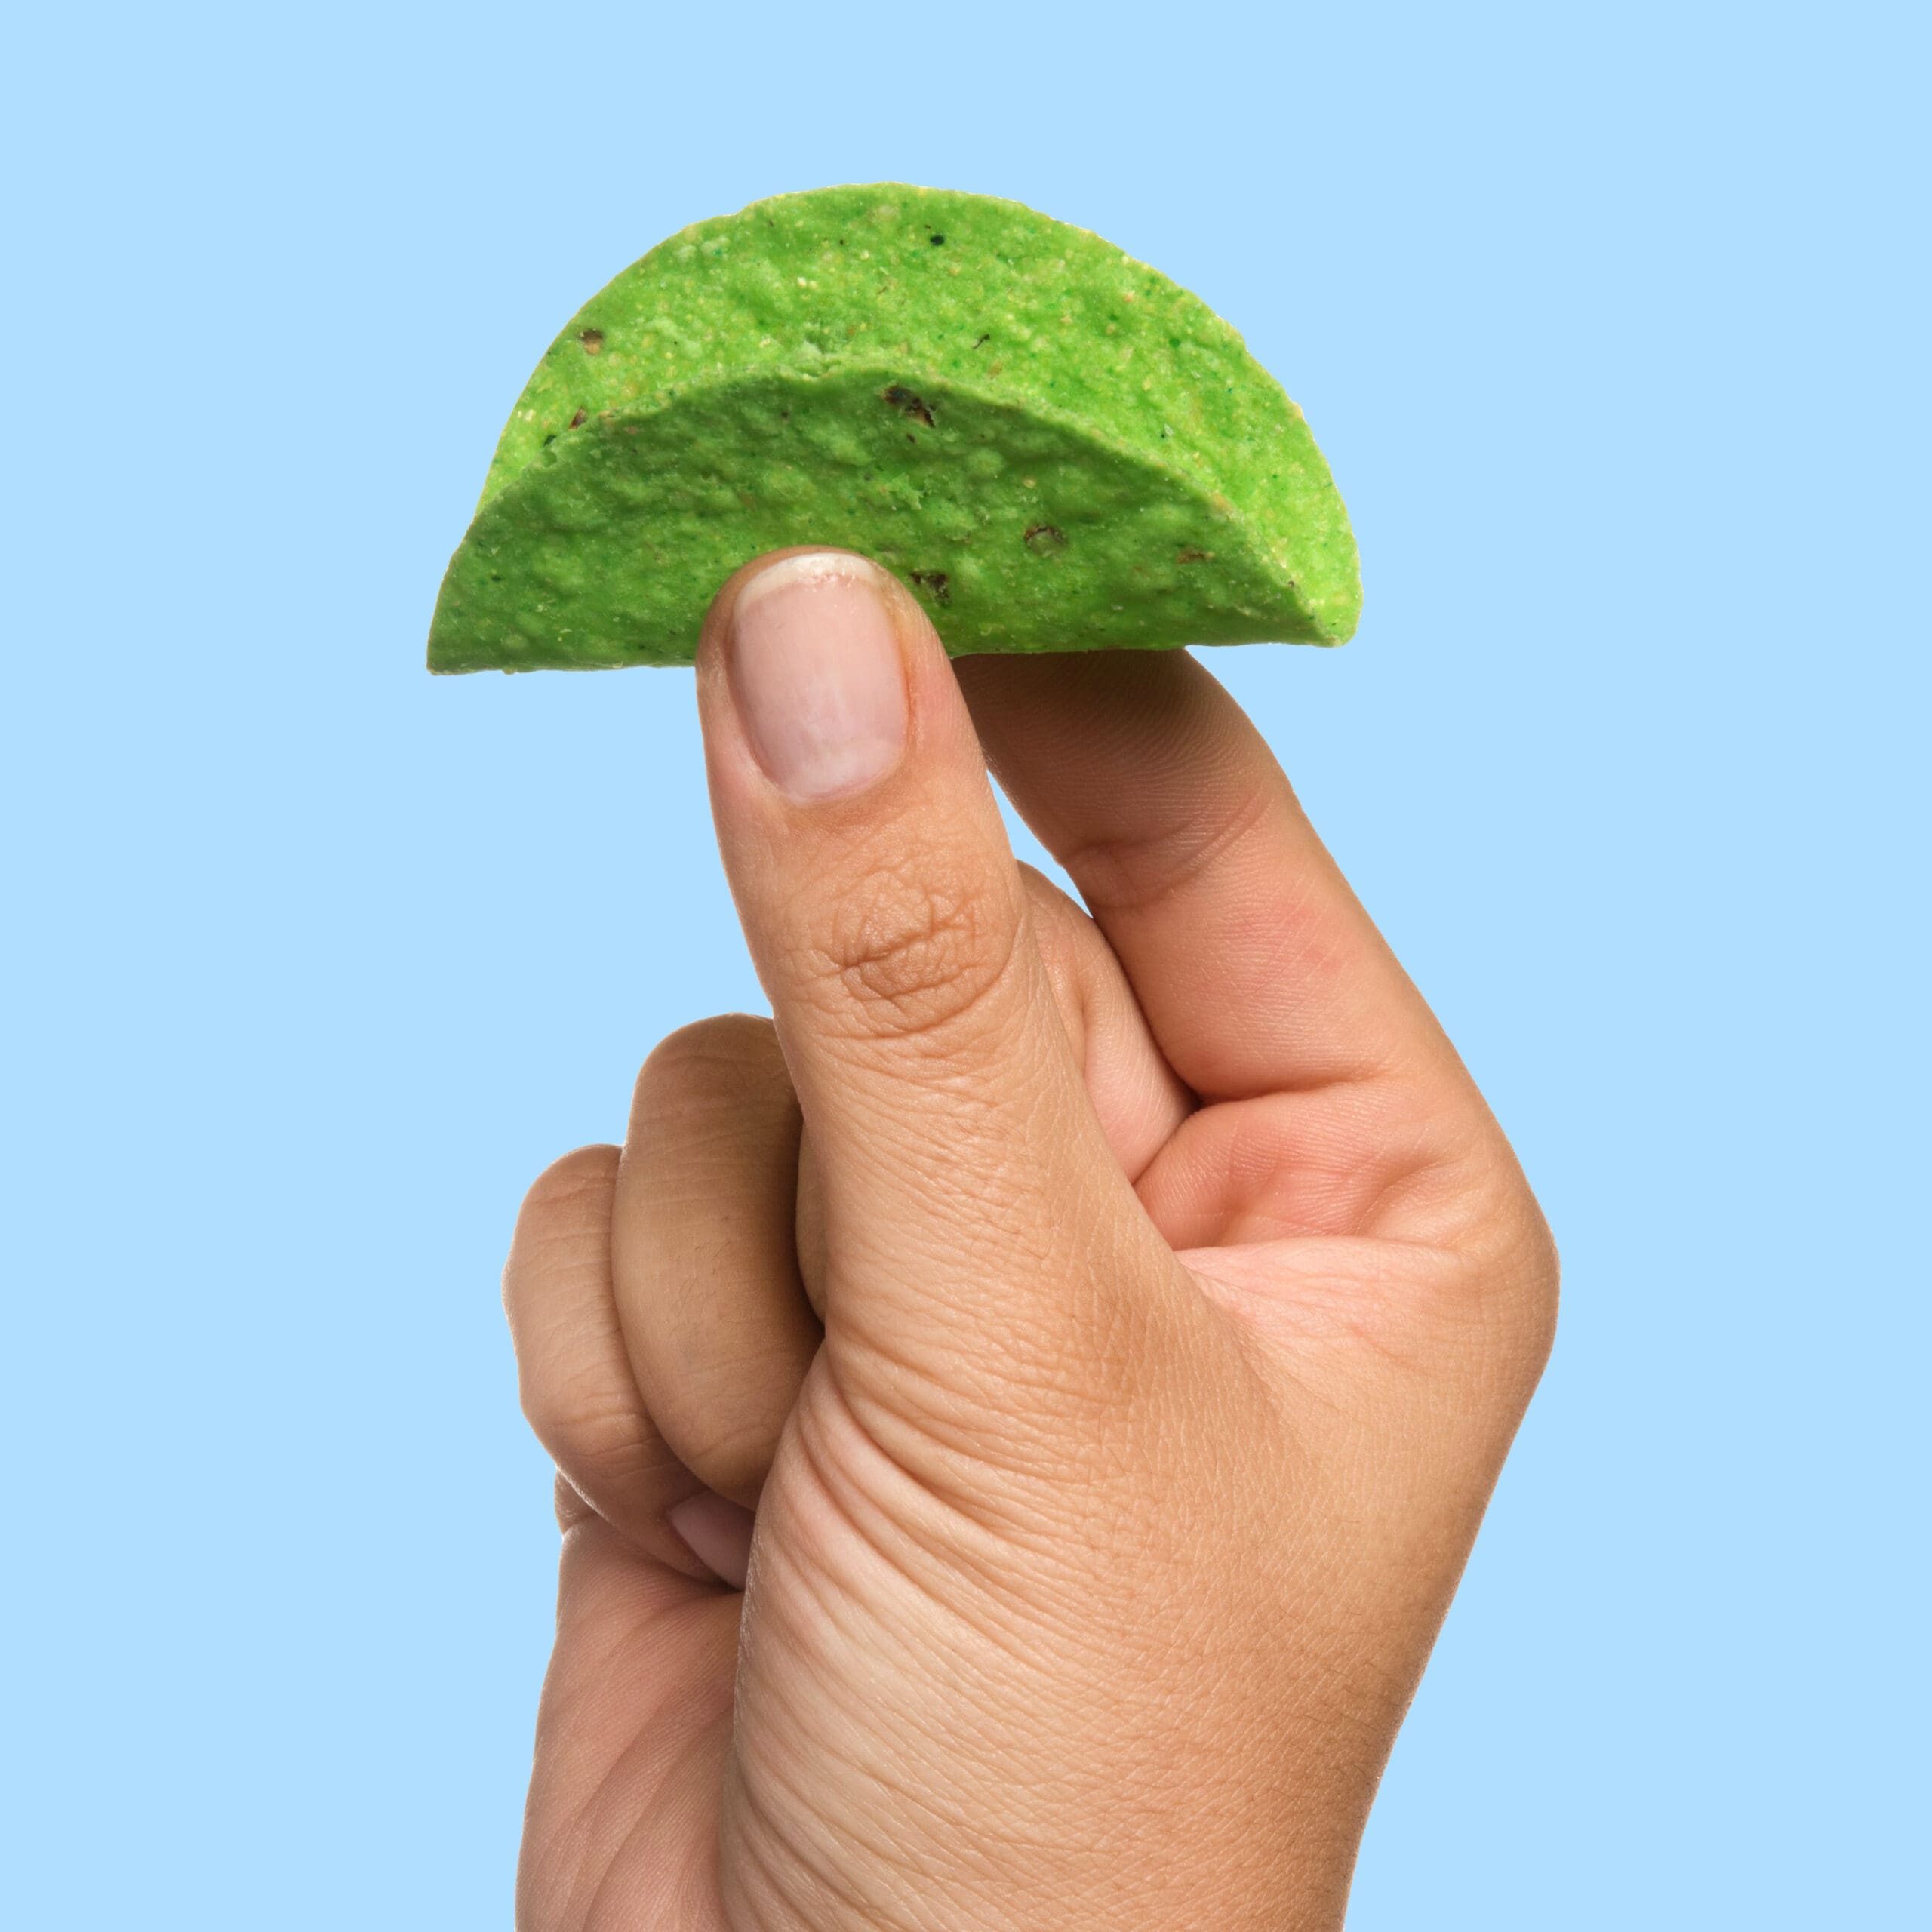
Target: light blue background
1610,319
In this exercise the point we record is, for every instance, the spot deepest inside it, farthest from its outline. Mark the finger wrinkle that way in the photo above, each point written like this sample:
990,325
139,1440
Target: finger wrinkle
1133,871
927,981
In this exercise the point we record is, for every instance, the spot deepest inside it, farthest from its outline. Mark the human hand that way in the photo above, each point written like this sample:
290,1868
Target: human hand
1116,1325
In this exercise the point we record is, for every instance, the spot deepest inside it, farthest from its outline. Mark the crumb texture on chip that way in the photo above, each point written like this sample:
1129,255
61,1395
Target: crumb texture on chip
1053,446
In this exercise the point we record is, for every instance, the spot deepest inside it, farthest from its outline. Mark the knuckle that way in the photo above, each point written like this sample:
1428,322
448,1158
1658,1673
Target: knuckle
1139,870
724,1057
1480,1303
732,1460
570,1194
608,1463
586,1422
1540,1268
569,1504
724,1409
911,950
1508,1292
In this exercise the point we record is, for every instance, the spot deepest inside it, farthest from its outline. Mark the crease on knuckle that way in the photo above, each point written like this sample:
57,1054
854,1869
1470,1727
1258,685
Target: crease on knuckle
732,1455
1135,871
1493,1298
587,1426
912,955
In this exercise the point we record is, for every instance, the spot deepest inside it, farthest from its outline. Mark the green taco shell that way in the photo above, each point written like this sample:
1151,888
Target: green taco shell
1055,447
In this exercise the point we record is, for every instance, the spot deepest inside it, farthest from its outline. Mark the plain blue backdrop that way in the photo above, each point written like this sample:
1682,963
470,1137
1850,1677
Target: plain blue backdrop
1610,320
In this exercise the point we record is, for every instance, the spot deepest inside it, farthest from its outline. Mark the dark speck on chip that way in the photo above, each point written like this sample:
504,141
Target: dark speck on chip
901,398
1045,539
937,581
592,340
938,241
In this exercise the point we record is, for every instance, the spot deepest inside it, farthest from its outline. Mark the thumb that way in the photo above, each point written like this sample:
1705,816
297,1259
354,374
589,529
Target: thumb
977,1229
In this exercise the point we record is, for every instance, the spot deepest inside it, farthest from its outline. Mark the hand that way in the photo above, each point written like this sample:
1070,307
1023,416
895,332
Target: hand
1116,1325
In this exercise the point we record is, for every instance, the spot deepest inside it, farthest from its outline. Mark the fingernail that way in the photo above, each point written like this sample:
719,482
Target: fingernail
717,1532
816,672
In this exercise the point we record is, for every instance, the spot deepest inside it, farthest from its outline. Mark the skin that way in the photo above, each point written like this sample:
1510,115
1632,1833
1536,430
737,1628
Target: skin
1117,1323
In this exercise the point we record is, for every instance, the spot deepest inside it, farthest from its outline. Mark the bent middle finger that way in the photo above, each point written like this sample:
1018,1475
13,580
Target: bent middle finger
703,1260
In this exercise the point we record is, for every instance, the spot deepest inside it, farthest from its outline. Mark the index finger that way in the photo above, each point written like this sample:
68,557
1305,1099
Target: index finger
1258,969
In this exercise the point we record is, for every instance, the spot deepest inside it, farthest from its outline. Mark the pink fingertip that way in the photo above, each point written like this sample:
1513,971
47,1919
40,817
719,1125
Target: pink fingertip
717,1532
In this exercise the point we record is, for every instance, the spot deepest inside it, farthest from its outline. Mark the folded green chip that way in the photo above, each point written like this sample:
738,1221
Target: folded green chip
1053,446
